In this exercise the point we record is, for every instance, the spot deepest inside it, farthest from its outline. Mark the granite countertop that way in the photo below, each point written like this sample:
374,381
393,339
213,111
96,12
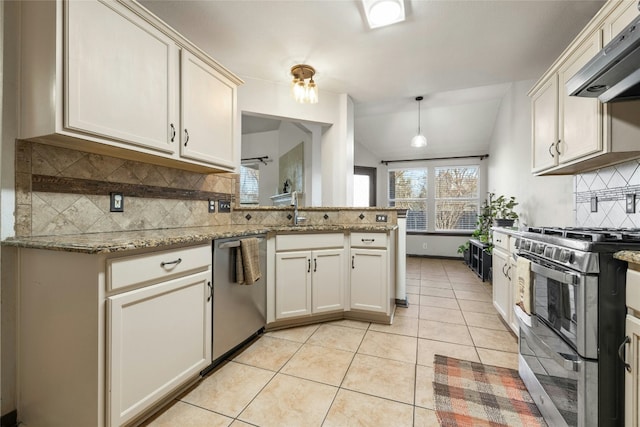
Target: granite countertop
97,243
629,256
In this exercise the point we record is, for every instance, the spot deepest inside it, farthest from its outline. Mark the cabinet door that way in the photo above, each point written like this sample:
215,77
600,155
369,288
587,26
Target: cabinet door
580,118
369,280
158,337
513,286
208,113
328,280
501,284
619,19
631,378
293,284
121,76
544,111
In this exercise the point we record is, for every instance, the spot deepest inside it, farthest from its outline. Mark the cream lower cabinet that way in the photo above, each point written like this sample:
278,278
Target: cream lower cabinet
501,283
371,273
309,281
104,337
632,347
369,280
158,337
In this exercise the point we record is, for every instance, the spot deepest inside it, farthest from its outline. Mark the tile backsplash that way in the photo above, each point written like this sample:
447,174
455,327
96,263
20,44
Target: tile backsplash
63,191
610,186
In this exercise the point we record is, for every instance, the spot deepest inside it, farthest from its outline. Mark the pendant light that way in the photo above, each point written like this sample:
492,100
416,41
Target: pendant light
419,140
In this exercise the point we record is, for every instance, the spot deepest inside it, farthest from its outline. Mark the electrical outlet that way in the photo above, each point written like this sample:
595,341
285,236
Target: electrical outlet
212,206
594,204
224,206
116,203
631,203
381,218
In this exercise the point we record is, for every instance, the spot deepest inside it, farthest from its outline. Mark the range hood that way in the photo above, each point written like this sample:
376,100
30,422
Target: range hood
614,73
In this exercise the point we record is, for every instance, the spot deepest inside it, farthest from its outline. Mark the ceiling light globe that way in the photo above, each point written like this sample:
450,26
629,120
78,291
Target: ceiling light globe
419,141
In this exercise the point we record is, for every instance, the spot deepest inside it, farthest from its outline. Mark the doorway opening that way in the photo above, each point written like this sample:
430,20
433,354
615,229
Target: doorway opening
364,186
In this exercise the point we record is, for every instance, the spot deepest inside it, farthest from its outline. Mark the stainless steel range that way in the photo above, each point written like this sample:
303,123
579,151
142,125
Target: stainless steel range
569,351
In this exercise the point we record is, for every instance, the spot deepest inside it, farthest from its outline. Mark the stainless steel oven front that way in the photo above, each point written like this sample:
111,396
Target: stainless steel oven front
563,384
567,302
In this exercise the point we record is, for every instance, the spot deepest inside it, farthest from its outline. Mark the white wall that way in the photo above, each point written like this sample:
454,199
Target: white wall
333,111
543,201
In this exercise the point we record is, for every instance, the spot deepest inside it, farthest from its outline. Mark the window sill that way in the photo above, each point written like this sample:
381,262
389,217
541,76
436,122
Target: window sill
440,233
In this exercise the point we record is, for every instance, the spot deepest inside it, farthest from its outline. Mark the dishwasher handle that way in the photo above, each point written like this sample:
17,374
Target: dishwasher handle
235,243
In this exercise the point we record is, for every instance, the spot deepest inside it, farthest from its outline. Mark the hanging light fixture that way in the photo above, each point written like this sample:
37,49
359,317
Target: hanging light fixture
419,140
302,91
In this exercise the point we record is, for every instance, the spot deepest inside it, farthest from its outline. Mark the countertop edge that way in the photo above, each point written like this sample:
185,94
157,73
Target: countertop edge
104,243
628,256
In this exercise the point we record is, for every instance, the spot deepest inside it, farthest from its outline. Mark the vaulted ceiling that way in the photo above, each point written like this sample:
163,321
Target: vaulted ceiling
459,55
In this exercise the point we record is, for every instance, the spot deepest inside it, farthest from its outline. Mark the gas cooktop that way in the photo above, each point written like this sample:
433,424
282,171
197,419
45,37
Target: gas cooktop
590,234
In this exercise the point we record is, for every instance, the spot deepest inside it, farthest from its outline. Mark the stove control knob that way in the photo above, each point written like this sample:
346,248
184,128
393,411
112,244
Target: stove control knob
540,248
566,255
548,252
526,245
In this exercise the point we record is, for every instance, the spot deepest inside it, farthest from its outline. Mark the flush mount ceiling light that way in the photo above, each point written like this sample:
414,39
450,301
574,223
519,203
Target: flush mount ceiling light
383,12
419,140
303,91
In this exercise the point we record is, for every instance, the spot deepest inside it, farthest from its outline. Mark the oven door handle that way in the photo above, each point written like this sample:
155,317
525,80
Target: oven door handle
568,364
560,276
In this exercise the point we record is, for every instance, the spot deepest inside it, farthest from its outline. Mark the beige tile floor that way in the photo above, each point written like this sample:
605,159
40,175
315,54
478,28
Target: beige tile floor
349,373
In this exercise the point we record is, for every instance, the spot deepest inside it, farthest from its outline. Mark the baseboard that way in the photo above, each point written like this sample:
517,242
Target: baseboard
402,303
9,419
454,258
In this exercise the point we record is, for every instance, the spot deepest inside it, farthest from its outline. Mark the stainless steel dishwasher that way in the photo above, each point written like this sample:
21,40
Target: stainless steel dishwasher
239,311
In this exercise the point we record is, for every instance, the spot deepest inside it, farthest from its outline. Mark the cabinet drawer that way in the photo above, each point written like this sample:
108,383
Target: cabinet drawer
633,289
369,240
128,271
294,242
501,240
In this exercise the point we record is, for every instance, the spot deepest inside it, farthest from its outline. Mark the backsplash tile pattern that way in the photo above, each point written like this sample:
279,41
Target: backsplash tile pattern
610,185
47,213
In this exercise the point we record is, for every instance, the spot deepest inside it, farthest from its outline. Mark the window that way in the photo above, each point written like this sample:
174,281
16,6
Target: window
408,190
249,179
364,186
438,199
456,198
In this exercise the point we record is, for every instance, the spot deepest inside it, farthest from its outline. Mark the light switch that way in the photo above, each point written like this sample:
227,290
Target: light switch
116,202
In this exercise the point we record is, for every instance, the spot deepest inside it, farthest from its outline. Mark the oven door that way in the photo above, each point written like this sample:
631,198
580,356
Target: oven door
567,302
563,384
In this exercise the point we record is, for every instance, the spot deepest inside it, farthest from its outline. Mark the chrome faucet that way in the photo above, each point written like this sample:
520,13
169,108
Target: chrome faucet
294,201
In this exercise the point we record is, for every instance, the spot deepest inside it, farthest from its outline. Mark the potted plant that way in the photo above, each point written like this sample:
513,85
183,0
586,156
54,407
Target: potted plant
464,250
504,215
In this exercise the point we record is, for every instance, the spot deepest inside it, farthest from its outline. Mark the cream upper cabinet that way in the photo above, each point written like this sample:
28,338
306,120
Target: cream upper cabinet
619,19
110,77
584,134
207,104
544,110
121,75
580,121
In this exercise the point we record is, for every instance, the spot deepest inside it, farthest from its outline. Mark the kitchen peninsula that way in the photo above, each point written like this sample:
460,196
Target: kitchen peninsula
99,312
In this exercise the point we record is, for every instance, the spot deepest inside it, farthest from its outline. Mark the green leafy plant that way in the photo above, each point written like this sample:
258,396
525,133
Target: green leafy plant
503,207
492,208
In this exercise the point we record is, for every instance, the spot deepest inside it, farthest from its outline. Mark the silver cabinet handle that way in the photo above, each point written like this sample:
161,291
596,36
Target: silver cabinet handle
550,147
186,135
622,355
173,132
176,262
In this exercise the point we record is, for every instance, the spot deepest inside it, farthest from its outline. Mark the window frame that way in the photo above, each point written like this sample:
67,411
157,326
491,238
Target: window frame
430,166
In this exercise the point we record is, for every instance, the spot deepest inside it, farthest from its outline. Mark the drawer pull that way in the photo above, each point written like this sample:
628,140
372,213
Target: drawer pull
368,240
176,262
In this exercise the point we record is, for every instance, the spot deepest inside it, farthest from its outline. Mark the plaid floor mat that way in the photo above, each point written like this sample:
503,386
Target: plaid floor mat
472,394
